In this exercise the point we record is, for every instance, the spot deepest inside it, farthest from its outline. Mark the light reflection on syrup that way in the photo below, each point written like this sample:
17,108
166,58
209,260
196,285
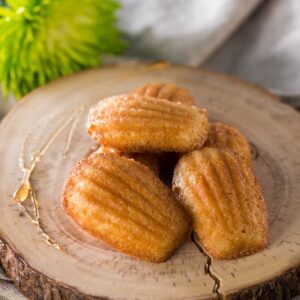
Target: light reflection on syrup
25,191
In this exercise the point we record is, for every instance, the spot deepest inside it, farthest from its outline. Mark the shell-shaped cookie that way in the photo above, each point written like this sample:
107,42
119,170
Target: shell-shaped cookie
168,91
229,138
222,195
123,203
146,124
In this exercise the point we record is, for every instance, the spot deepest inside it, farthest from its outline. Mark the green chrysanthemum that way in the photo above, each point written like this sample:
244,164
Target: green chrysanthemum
41,40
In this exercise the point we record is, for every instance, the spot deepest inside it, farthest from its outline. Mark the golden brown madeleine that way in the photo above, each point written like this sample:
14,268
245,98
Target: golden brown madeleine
173,93
123,203
220,192
146,124
168,91
228,137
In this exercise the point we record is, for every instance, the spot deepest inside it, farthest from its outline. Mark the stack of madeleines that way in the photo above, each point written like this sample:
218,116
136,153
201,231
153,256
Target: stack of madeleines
116,194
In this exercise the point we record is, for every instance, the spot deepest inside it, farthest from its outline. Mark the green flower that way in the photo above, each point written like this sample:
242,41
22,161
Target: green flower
41,40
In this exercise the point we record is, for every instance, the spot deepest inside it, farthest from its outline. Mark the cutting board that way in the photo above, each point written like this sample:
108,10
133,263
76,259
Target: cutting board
48,256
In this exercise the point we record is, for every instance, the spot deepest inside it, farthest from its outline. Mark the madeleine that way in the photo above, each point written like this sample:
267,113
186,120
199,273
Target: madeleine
146,124
221,194
123,203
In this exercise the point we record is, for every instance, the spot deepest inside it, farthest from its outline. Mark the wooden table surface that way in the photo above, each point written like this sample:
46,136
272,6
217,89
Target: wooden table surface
44,135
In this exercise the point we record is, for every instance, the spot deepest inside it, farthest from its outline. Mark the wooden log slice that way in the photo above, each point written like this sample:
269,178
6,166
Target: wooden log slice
45,135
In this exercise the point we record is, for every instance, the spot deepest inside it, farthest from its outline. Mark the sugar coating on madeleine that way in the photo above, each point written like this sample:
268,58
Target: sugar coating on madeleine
227,137
146,124
221,194
168,91
123,203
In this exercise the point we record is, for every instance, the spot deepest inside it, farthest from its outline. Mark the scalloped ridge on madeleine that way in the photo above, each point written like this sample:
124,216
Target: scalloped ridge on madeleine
146,124
224,200
168,91
123,203
227,137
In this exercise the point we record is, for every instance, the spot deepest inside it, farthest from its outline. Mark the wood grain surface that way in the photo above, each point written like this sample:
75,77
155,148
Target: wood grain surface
50,257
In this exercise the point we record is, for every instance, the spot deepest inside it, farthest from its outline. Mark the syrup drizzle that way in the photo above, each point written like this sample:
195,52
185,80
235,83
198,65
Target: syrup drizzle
25,191
72,130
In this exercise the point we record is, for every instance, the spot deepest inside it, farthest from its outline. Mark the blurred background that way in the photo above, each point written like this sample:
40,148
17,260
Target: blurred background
254,39
257,40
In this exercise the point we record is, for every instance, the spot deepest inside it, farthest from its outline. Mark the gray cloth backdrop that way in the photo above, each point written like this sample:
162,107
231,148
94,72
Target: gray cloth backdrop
254,39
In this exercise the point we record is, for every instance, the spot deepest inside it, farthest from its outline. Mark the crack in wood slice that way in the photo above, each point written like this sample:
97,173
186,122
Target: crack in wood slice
3,276
217,282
